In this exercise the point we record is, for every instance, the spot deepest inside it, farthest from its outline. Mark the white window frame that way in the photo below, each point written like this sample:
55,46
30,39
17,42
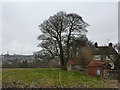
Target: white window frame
97,57
111,57
98,72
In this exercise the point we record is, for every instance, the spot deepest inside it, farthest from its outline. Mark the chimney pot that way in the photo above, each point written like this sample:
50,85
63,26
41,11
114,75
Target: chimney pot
110,44
96,44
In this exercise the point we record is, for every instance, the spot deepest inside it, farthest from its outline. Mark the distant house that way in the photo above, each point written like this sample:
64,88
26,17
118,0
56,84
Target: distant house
19,58
103,60
73,65
82,59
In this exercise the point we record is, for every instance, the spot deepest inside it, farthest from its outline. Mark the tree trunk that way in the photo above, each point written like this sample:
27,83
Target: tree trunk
62,64
62,59
68,47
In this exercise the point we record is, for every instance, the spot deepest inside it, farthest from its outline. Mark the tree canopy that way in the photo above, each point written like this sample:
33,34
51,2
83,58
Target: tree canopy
59,32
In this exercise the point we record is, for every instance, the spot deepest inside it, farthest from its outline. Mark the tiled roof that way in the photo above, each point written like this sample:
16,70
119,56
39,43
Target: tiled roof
74,62
104,50
96,64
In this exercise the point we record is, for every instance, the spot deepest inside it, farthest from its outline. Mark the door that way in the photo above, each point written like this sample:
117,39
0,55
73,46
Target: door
98,72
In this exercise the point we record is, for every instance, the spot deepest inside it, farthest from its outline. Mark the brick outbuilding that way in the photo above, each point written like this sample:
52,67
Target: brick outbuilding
98,68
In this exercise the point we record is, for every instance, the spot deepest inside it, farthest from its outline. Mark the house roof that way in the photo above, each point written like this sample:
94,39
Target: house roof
104,50
97,64
74,62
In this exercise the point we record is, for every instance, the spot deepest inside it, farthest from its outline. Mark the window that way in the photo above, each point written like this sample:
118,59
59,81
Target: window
97,57
98,72
109,57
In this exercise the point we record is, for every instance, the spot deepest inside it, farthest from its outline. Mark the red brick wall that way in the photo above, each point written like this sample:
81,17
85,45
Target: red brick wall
92,71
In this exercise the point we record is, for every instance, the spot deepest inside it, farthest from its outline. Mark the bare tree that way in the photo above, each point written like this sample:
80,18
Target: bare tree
58,30
77,44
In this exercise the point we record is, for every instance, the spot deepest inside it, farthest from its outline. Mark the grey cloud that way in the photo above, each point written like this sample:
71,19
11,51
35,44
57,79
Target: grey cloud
21,20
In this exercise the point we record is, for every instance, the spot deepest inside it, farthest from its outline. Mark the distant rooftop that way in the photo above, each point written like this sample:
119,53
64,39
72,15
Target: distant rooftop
74,62
104,50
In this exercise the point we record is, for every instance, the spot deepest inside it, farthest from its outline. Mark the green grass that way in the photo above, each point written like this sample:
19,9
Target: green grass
51,77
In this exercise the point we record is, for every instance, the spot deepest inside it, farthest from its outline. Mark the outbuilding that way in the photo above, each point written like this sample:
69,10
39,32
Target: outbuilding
73,65
98,68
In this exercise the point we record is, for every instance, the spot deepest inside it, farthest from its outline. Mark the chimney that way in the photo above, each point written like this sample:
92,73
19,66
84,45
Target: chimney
96,44
110,44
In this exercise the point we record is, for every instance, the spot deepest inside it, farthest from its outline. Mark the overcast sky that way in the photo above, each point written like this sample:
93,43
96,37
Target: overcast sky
20,22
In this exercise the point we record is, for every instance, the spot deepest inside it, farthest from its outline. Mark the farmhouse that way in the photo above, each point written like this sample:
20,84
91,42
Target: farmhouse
103,60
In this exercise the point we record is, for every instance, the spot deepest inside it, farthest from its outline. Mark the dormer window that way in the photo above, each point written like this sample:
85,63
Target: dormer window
97,57
109,57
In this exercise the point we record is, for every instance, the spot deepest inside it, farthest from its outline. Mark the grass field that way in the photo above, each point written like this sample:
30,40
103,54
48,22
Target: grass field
51,77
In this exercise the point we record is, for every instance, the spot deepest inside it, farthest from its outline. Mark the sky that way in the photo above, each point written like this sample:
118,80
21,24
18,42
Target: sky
19,25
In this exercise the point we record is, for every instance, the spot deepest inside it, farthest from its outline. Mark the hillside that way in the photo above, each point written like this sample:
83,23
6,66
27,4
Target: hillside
51,77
